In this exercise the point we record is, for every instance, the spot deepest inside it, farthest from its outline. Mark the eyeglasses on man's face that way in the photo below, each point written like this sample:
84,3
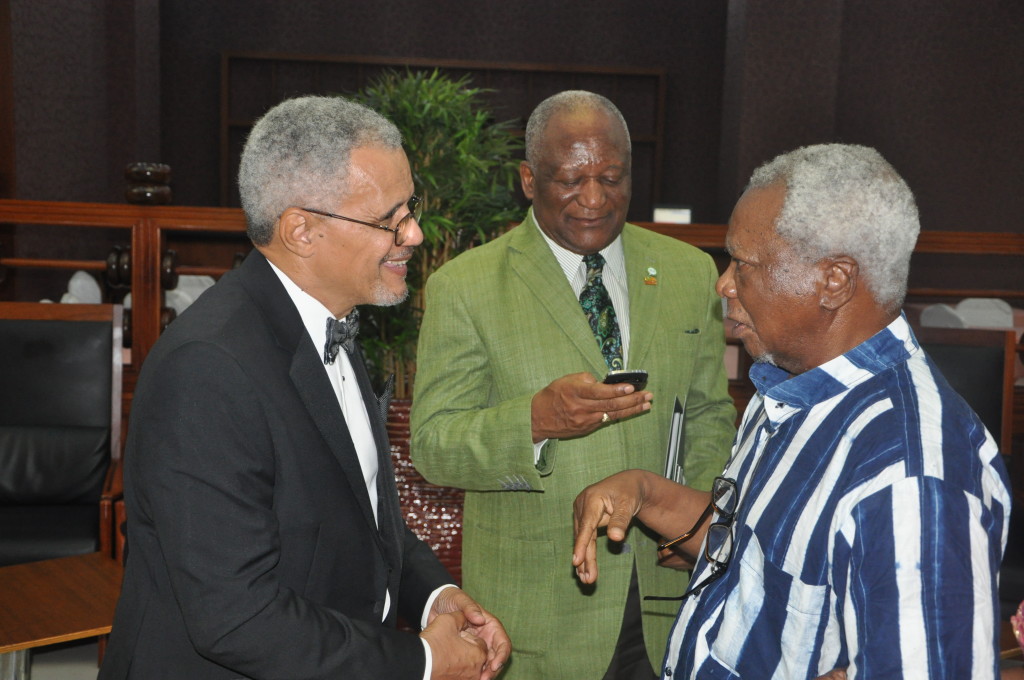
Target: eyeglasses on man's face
719,540
400,230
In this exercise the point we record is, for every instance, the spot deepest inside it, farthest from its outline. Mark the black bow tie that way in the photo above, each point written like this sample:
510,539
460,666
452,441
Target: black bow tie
341,332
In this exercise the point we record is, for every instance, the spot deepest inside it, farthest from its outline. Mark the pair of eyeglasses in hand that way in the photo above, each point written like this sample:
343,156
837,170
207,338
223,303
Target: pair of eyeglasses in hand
718,544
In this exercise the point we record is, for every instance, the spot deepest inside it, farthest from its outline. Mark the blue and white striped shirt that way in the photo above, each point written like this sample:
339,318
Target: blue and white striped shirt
872,517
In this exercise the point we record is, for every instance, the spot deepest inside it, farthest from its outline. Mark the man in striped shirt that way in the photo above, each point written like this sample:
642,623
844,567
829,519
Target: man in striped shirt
860,523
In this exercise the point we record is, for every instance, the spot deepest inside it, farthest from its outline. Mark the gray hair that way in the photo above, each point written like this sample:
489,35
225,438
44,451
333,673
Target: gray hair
568,101
298,155
844,199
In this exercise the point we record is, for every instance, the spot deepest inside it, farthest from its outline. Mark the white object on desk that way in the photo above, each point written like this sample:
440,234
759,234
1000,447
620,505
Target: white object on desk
672,214
969,313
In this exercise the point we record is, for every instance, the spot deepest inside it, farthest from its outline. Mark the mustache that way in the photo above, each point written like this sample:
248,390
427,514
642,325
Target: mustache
405,253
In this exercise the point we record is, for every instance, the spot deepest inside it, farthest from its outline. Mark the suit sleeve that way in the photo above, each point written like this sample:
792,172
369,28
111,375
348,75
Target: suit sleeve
459,438
710,412
205,477
422,574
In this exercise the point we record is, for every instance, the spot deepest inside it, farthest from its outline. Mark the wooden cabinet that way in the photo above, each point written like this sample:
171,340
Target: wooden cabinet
141,249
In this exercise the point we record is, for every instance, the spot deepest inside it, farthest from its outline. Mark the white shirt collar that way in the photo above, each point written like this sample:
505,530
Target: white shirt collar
572,263
313,312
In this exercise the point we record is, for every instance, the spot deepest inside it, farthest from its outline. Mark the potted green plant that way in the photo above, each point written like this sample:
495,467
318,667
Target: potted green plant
464,166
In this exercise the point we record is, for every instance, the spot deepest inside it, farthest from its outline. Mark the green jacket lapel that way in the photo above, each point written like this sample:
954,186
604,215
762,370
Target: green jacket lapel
532,260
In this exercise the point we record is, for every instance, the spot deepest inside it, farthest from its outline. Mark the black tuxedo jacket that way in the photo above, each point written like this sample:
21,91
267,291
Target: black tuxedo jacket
252,548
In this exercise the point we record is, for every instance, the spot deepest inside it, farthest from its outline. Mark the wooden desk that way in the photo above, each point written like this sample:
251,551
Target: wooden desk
42,603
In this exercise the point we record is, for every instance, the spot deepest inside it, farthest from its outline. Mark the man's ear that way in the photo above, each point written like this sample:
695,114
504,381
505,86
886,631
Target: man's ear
839,281
526,177
296,232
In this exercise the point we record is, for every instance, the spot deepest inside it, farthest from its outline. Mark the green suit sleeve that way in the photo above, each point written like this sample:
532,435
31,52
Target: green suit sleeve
710,413
459,437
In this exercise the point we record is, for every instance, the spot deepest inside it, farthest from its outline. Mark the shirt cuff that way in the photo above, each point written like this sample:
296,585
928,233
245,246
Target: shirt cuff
430,603
423,624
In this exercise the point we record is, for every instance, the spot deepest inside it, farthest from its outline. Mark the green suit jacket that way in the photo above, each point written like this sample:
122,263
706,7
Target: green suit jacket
501,322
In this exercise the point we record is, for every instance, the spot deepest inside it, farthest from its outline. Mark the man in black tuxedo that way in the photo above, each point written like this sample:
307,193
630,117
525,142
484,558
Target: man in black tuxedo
265,538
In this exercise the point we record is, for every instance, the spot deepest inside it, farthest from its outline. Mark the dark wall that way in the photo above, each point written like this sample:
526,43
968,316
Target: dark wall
7,172
60,113
685,38
86,95
781,82
86,102
936,85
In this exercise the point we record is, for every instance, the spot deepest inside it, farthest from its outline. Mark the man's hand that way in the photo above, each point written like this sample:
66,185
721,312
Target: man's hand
479,624
576,404
457,653
671,559
834,674
662,505
612,503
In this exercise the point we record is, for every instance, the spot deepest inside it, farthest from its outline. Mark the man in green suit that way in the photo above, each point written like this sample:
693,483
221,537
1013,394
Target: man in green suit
509,403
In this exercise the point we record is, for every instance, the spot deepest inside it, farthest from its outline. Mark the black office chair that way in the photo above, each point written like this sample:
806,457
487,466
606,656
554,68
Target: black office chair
979,364
60,429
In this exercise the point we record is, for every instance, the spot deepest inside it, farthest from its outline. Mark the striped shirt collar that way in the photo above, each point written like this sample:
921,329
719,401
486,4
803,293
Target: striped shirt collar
785,393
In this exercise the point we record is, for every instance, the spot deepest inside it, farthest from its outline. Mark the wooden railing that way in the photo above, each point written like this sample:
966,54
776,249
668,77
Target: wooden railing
152,231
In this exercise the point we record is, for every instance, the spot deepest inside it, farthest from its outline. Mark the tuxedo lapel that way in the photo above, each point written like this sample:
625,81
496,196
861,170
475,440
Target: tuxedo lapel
307,373
389,514
321,402
532,260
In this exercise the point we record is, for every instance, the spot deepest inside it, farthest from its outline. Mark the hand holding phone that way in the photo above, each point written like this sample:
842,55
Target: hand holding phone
635,377
575,405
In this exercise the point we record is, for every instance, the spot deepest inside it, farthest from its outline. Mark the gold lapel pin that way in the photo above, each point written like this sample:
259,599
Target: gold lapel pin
652,277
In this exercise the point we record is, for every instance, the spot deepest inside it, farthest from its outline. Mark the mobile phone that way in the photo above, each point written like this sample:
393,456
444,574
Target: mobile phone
635,377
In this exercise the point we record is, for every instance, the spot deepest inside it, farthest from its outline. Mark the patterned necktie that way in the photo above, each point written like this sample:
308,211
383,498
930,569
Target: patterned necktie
597,305
341,332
